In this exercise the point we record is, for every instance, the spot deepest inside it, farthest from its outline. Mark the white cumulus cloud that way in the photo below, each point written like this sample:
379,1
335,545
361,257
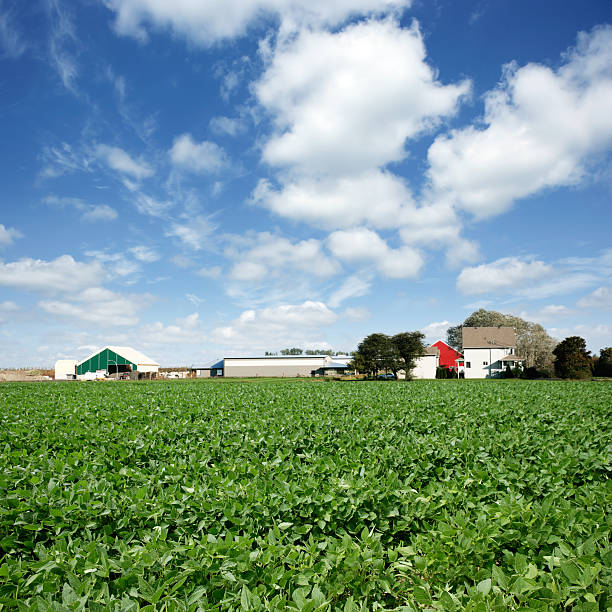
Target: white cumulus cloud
63,274
8,235
204,23
436,330
199,157
377,198
347,102
286,324
503,275
540,128
187,330
100,306
600,298
364,246
269,254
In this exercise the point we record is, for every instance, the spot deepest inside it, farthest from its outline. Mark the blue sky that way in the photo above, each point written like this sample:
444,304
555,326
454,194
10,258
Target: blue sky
206,179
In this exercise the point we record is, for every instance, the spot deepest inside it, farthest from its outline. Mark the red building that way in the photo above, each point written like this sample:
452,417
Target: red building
448,355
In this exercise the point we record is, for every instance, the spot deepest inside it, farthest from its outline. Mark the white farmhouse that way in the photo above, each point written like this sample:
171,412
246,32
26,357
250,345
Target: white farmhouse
488,350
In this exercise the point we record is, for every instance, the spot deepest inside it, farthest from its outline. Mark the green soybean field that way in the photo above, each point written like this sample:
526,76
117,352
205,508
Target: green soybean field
198,495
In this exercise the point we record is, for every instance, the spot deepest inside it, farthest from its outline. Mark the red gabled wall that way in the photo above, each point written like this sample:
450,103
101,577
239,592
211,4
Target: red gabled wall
447,354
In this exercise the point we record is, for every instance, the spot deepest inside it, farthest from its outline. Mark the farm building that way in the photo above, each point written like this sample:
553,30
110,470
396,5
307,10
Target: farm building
488,350
65,369
116,360
425,365
276,366
449,357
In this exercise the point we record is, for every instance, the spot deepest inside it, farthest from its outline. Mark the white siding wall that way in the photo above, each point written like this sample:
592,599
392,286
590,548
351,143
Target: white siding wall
65,369
426,366
484,362
271,366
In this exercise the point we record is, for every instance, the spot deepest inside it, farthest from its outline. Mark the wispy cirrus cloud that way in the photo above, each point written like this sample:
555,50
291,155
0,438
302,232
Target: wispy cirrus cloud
89,212
62,43
195,234
119,160
144,253
63,159
12,41
351,287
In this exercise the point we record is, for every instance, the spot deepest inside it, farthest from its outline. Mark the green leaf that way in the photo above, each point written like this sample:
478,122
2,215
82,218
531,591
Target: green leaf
298,597
196,595
520,563
484,586
422,595
245,598
570,569
448,603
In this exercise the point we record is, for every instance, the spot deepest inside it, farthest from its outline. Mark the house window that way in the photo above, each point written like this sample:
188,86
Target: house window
468,364
485,363
511,364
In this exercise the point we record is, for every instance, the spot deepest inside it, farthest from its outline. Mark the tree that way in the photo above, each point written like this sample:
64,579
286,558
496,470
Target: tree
572,358
379,352
410,347
603,365
292,351
534,344
376,352
329,352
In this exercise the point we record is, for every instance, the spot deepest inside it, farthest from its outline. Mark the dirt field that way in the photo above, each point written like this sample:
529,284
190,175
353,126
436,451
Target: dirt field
25,375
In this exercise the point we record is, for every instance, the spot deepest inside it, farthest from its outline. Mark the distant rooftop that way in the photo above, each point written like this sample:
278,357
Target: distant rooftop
289,357
488,337
127,352
220,364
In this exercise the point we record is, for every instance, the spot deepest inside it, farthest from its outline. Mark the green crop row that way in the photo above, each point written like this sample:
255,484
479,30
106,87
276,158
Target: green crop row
475,495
